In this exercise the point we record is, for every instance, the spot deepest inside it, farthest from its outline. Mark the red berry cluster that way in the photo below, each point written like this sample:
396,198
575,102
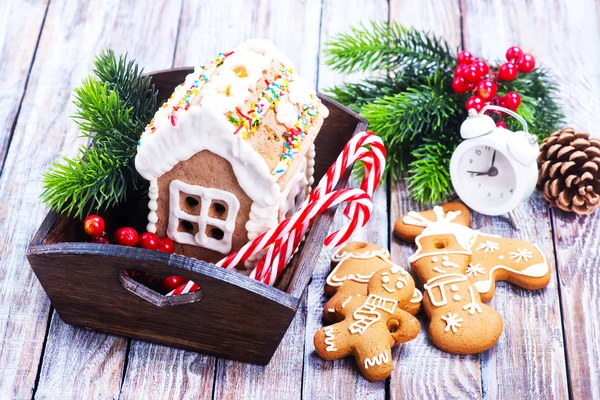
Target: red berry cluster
474,75
94,226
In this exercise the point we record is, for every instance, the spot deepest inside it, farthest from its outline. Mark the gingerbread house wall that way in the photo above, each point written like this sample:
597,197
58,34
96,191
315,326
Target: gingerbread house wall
208,170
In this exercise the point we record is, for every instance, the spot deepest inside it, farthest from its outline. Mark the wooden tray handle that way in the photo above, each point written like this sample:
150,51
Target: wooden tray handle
159,300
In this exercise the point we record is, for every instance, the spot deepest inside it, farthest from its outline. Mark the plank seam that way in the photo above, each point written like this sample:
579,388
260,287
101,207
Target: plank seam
177,35
214,386
41,362
320,41
560,301
18,112
125,365
462,24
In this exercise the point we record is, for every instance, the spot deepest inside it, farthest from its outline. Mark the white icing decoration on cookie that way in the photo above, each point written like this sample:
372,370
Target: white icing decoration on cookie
417,296
439,282
501,257
434,259
454,288
377,360
521,254
456,297
450,264
452,322
346,301
473,270
293,196
329,338
445,258
439,270
368,313
488,246
472,306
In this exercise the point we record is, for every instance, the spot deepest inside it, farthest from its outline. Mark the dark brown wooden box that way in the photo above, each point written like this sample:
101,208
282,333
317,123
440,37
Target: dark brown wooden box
232,316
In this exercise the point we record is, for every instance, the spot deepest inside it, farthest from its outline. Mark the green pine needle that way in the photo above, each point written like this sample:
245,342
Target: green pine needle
113,109
410,103
382,46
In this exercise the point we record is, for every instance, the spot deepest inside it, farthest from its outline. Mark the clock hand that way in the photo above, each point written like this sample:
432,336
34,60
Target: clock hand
478,173
493,159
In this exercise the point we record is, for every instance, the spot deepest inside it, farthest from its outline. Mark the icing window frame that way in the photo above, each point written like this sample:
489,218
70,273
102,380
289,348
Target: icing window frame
203,220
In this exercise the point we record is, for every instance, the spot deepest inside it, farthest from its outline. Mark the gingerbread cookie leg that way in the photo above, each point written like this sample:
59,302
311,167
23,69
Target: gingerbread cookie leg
459,322
498,259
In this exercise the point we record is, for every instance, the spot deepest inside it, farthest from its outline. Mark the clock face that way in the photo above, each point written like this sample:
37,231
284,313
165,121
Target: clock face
487,176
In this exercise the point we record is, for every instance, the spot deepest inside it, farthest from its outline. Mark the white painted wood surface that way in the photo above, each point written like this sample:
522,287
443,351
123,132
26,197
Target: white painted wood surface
43,357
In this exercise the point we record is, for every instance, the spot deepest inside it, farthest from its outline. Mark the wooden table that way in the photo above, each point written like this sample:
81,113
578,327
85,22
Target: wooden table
550,347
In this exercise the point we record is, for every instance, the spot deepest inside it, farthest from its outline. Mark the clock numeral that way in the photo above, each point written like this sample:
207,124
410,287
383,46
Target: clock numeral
478,152
470,161
489,194
488,148
472,174
479,185
511,190
501,195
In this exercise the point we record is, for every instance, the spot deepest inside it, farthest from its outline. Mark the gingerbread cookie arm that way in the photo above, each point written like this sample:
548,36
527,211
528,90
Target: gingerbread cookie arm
333,342
403,326
516,261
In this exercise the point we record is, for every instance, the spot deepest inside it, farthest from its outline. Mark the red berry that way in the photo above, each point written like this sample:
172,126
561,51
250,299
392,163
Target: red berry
470,86
507,72
475,102
93,225
501,124
483,67
166,245
471,74
511,100
149,240
464,57
126,237
459,86
513,53
172,282
526,63
486,89
100,239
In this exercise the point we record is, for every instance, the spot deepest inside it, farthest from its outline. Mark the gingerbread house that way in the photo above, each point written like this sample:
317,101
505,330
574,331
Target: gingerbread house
231,153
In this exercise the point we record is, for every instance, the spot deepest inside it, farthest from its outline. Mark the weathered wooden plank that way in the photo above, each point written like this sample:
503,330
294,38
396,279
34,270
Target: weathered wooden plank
72,35
531,346
283,23
20,26
338,16
160,372
340,379
424,371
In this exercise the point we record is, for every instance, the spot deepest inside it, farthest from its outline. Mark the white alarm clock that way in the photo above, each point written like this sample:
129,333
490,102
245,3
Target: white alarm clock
494,169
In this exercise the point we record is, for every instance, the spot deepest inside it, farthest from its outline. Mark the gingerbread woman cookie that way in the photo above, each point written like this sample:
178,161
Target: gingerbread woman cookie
460,267
354,264
372,324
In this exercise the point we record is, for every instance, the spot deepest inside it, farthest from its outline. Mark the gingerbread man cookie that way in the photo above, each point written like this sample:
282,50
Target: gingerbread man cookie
354,264
372,324
460,267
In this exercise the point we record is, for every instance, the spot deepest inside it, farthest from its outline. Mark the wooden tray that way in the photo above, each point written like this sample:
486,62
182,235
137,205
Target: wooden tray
232,316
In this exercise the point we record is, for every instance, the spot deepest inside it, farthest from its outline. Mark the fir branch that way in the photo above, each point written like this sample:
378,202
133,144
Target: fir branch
113,110
383,46
406,118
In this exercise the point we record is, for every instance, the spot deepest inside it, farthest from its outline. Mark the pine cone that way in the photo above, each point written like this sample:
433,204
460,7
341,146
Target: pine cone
569,164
